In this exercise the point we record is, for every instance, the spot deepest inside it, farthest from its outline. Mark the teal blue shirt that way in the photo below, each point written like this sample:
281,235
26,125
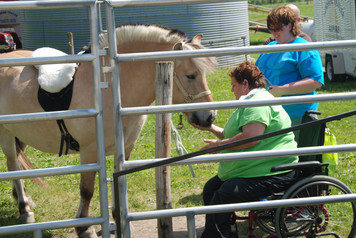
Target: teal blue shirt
287,67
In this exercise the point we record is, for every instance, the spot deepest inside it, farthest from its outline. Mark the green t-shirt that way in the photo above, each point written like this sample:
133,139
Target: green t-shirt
275,118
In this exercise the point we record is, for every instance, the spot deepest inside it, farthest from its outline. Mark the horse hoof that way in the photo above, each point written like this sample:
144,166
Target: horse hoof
88,233
28,217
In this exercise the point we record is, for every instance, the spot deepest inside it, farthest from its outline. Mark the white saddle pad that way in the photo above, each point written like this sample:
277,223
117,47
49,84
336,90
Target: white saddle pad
53,77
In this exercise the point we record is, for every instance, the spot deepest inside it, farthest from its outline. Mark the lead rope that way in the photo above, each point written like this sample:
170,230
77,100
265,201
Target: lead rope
181,150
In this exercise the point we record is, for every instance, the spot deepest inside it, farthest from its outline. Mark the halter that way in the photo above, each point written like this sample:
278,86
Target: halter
188,97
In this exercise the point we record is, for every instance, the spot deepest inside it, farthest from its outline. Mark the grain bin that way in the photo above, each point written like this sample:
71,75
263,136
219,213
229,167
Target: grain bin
223,24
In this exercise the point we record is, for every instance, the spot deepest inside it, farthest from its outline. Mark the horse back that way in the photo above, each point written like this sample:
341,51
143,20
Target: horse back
16,54
18,86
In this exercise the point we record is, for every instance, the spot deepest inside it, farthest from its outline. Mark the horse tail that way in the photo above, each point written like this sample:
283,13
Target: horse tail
25,163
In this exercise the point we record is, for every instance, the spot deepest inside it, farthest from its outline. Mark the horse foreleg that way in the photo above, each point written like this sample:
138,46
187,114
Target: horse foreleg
87,181
132,132
8,144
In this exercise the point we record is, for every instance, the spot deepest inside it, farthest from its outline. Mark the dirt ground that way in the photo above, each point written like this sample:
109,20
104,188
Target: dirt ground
148,228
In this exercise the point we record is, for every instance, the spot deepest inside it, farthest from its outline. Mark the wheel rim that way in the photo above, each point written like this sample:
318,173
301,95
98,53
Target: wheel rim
318,220
329,71
265,220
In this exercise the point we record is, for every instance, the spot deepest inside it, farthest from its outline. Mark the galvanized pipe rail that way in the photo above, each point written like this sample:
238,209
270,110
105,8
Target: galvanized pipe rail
168,56
134,111
47,60
246,155
37,227
135,3
192,211
236,143
33,173
44,116
241,206
96,112
53,4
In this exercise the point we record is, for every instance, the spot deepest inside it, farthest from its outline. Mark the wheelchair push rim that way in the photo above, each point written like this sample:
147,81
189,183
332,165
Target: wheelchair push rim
326,220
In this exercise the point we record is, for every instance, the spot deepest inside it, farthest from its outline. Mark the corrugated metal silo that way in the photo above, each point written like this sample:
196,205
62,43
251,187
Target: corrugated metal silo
222,25
49,27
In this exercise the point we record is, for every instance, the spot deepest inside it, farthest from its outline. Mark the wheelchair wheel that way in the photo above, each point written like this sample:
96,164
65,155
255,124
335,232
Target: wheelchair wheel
265,220
326,220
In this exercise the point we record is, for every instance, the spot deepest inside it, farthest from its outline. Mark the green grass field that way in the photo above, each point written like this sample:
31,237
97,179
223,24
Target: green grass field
60,199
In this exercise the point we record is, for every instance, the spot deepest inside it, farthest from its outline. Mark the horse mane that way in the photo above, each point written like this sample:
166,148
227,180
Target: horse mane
204,64
159,34
144,32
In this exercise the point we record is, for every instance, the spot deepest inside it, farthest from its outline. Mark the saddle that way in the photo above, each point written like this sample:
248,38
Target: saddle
55,92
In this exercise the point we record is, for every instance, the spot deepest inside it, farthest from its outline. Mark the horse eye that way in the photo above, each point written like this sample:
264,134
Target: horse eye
191,76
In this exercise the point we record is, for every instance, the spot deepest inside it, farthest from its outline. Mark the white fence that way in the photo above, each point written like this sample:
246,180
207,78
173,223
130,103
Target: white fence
119,157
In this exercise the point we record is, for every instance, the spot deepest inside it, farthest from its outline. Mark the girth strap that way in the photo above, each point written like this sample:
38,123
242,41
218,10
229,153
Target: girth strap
58,102
67,138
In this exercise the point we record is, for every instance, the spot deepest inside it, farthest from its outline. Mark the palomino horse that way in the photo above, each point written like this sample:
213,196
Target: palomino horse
18,94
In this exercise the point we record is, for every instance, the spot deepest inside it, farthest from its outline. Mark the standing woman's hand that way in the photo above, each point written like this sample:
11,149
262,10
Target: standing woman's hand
275,90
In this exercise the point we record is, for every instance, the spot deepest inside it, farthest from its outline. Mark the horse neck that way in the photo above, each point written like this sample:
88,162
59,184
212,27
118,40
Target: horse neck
137,79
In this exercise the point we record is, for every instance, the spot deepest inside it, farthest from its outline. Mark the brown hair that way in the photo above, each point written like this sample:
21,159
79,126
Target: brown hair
283,15
251,73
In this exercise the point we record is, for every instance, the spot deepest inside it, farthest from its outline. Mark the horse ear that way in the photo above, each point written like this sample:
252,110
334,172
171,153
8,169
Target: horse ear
178,46
197,39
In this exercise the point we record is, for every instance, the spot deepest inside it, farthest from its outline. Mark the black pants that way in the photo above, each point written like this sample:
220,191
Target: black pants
238,190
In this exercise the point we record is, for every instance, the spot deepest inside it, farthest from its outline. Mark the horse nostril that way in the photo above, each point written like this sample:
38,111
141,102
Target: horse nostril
209,121
194,119
202,118
211,118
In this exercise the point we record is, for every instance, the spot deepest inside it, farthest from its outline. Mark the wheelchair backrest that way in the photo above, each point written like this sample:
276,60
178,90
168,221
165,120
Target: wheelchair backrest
311,136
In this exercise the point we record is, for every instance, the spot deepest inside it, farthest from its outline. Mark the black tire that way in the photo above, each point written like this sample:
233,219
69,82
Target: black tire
265,220
327,220
329,69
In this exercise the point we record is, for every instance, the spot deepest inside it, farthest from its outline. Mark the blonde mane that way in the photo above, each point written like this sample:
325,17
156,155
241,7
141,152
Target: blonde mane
159,34
148,33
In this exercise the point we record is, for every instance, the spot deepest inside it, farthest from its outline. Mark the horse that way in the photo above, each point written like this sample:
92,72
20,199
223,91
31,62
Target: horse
18,94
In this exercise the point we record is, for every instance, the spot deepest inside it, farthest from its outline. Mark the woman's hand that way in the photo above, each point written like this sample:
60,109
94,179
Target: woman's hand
209,128
275,90
211,144
248,130
217,131
304,86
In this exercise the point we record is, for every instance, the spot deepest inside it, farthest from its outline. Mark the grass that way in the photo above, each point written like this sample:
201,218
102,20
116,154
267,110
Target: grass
60,199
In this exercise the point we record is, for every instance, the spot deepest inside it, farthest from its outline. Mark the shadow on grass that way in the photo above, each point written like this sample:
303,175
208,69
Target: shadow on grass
191,200
9,216
345,84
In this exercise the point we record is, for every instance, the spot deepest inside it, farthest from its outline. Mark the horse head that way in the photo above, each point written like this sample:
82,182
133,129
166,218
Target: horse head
190,83
190,74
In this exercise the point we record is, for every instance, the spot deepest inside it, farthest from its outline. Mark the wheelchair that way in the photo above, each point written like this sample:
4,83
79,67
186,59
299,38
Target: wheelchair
327,220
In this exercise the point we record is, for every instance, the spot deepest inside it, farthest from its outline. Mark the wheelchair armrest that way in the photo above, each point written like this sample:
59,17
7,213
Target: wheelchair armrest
298,166
312,112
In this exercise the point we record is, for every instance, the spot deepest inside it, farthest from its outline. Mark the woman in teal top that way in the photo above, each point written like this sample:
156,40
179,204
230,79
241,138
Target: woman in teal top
291,73
247,180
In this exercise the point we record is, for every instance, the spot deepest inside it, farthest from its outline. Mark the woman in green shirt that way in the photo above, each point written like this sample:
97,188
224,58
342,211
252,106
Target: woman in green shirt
247,180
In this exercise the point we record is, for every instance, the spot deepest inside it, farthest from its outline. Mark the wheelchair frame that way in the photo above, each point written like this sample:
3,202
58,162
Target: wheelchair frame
306,221
312,180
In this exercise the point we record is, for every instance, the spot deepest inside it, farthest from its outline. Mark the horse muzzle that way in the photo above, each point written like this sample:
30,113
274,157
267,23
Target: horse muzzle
203,118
